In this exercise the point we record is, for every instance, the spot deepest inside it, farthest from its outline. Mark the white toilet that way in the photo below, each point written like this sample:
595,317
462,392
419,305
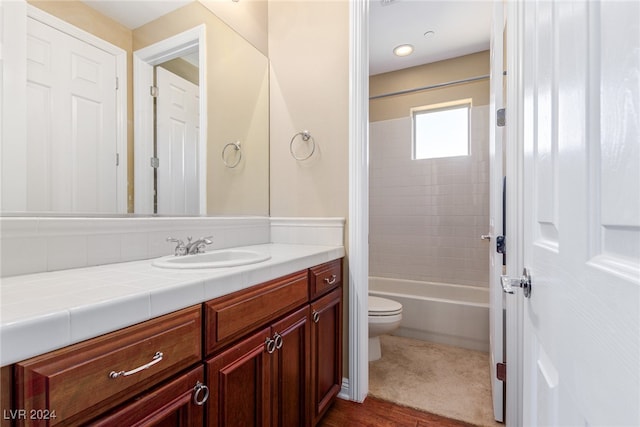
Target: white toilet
384,317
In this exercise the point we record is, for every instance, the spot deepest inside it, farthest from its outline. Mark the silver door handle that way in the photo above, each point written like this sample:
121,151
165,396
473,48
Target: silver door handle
485,236
524,282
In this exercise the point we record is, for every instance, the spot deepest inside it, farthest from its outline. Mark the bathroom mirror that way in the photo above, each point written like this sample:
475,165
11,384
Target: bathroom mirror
237,111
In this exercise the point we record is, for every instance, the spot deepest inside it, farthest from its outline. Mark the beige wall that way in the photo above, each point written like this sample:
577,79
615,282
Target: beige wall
393,107
309,54
247,17
237,109
91,21
309,90
182,68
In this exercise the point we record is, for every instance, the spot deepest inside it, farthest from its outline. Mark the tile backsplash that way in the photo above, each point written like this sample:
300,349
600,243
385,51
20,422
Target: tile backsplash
38,244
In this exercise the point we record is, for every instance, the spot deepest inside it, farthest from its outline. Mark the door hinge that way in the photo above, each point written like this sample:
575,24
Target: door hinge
155,162
501,371
153,90
117,159
501,117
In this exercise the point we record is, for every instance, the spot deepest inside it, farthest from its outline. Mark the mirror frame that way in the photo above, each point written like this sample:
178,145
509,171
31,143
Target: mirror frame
144,61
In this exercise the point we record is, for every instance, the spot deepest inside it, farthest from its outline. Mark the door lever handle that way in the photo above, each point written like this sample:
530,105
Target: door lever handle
485,236
524,282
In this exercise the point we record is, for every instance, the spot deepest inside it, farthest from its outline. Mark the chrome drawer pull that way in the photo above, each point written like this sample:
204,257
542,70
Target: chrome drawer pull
330,281
316,317
199,387
157,358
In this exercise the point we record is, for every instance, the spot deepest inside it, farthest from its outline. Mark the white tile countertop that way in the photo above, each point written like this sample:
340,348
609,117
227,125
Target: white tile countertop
50,310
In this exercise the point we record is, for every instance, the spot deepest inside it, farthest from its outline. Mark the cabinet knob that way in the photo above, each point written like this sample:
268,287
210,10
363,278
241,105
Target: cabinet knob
199,389
316,317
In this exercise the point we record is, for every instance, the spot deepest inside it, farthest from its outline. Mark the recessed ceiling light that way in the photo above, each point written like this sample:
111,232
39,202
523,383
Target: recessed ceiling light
403,50
429,34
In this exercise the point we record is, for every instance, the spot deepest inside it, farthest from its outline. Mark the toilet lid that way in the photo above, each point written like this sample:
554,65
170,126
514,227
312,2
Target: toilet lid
383,307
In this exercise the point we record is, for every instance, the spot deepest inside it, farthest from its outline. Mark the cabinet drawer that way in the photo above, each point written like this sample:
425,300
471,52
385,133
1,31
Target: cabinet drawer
234,315
171,404
325,277
81,381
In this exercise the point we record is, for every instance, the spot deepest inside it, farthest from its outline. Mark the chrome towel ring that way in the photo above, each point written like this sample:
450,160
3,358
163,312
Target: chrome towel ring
306,136
236,146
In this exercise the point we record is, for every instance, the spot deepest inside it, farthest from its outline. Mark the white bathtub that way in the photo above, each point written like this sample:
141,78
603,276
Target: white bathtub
439,312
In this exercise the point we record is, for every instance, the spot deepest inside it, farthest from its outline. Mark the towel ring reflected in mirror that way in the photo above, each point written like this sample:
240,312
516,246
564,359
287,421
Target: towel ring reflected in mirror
238,149
306,137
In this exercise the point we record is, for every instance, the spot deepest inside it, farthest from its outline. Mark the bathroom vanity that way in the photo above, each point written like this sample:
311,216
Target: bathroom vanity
269,354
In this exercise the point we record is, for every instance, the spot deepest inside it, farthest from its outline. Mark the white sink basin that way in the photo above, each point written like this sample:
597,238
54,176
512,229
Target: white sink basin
213,259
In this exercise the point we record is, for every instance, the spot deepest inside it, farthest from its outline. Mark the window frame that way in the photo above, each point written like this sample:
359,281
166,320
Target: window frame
434,108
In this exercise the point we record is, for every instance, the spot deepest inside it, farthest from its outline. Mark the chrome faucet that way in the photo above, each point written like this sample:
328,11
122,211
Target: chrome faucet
191,248
197,246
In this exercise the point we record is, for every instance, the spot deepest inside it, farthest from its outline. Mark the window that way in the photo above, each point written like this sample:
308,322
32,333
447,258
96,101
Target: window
441,131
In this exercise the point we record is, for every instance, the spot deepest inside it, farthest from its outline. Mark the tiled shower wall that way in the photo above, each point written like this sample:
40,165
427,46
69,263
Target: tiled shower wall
426,216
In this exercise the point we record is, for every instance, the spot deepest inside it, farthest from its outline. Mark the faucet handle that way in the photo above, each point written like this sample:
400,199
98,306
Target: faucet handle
180,247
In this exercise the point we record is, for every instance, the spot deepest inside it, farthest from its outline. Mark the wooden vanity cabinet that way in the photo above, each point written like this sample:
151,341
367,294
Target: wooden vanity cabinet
288,372
269,355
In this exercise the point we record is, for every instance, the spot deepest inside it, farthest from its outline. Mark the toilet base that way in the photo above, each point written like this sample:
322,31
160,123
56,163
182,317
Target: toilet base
374,349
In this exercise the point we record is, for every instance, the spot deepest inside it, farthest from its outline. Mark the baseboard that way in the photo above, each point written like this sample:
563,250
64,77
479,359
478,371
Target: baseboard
344,391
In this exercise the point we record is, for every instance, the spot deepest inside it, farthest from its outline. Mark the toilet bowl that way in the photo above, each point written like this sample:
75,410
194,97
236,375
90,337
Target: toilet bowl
384,317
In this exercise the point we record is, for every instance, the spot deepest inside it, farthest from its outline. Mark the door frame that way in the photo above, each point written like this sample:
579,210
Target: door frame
514,216
357,384
496,220
144,61
15,15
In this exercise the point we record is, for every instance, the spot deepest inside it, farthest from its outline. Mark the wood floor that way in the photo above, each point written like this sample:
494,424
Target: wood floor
376,412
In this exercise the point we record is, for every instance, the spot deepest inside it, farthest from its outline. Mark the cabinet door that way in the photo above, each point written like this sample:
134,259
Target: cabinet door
178,403
326,351
239,381
291,370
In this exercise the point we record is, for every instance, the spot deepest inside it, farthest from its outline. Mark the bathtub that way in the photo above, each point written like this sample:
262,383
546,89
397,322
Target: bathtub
450,314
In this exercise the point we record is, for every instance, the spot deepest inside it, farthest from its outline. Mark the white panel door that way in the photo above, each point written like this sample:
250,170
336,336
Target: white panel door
71,115
177,115
582,213
496,338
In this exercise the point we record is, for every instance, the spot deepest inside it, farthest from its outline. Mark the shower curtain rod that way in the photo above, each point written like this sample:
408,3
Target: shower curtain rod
435,86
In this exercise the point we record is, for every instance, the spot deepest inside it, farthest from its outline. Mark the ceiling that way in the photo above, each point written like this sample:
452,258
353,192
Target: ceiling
135,13
460,27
